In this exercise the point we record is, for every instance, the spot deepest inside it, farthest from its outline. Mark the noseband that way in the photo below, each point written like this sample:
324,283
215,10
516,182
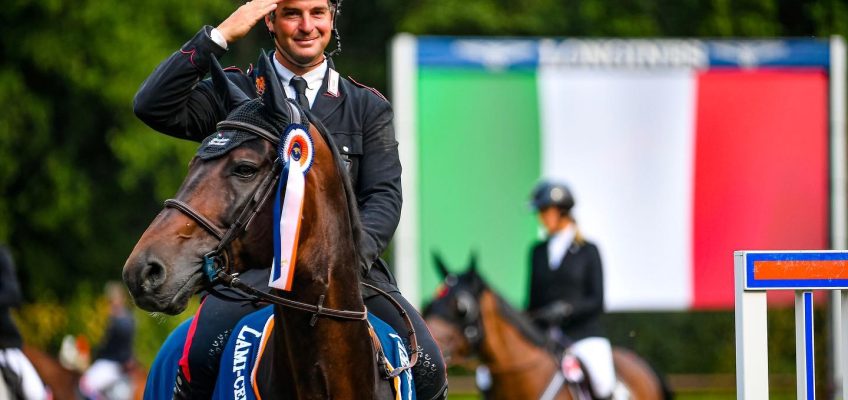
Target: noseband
216,263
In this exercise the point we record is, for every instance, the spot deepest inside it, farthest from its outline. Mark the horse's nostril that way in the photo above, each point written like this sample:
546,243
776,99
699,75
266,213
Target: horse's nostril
152,275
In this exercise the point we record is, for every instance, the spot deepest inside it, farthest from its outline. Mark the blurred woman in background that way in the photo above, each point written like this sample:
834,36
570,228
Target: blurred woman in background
567,286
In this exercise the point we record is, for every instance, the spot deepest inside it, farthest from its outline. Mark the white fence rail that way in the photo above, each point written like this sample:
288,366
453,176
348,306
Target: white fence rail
756,273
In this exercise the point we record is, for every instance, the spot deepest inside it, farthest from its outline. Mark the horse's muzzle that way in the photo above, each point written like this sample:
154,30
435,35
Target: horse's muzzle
156,287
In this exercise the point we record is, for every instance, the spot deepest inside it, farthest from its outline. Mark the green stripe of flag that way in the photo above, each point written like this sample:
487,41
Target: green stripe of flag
478,146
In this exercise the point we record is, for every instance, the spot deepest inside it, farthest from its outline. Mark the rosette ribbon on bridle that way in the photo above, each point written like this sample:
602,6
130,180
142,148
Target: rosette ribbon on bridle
296,153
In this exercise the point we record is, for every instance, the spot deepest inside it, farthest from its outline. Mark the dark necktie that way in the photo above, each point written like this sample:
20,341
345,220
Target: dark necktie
299,85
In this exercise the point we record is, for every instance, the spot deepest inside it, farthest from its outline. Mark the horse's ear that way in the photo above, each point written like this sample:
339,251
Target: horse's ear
272,92
472,262
440,265
226,90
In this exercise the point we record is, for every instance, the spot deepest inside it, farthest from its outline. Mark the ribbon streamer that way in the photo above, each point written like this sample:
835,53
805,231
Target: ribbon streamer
296,153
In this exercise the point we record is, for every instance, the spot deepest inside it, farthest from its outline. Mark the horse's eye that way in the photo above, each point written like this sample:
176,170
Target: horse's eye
245,170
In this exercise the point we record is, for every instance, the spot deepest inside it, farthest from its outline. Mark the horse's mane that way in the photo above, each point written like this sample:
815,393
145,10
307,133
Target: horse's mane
520,321
350,195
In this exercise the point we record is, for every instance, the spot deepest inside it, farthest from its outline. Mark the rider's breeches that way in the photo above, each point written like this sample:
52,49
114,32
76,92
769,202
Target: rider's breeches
429,373
101,375
16,361
595,353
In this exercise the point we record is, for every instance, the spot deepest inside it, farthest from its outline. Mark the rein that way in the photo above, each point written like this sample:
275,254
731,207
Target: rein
317,310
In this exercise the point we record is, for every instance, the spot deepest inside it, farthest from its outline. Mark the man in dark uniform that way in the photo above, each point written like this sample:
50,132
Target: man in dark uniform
567,286
176,100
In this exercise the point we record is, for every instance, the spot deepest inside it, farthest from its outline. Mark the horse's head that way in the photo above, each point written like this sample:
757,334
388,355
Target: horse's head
224,205
457,313
454,314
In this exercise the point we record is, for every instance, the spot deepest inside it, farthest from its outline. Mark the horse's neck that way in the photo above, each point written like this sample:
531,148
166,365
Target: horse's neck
334,357
504,347
328,261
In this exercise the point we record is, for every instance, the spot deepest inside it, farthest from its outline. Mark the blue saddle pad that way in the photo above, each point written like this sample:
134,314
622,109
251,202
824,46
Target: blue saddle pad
161,378
244,349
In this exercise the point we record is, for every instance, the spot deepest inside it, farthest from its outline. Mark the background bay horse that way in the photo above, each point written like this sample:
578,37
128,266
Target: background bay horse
63,382
468,317
213,214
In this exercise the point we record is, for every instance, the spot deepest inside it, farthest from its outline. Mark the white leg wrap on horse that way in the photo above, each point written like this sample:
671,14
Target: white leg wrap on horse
595,353
15,360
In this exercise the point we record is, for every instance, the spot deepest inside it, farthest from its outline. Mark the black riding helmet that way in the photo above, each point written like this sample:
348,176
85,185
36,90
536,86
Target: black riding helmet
549,193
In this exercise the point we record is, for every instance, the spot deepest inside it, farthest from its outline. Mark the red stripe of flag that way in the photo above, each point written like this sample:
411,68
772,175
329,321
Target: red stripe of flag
761,171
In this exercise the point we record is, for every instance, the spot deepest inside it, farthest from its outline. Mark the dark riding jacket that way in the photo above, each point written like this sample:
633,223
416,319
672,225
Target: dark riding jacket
579,282
176,100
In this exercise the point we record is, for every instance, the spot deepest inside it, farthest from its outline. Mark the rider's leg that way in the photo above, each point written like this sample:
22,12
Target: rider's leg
595,353
429,373
198,367
31,385
99,376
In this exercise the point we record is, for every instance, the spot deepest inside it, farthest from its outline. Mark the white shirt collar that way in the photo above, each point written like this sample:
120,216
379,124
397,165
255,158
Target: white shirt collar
314,79
558,244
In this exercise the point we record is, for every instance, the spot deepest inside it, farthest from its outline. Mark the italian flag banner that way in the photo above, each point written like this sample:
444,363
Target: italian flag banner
678,152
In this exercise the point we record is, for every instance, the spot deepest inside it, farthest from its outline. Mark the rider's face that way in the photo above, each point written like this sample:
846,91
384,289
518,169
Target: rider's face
302,29
552,219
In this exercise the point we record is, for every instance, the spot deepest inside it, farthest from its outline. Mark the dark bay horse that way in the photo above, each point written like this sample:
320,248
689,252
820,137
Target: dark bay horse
223,212
468,318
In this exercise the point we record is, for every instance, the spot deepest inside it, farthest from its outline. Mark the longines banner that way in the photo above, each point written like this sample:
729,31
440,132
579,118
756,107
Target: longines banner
678,153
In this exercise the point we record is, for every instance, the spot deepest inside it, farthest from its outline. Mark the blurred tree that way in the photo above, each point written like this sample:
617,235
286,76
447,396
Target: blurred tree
81,177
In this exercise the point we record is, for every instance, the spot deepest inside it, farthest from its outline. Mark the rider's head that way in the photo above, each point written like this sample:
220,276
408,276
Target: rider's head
116,294
553,202
301,30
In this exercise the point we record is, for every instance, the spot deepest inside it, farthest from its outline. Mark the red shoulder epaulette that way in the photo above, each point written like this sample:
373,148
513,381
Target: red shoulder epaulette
232,68
375,91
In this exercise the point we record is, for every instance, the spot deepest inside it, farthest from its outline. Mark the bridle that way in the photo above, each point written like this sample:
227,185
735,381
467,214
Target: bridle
216,263
468,308
471,325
